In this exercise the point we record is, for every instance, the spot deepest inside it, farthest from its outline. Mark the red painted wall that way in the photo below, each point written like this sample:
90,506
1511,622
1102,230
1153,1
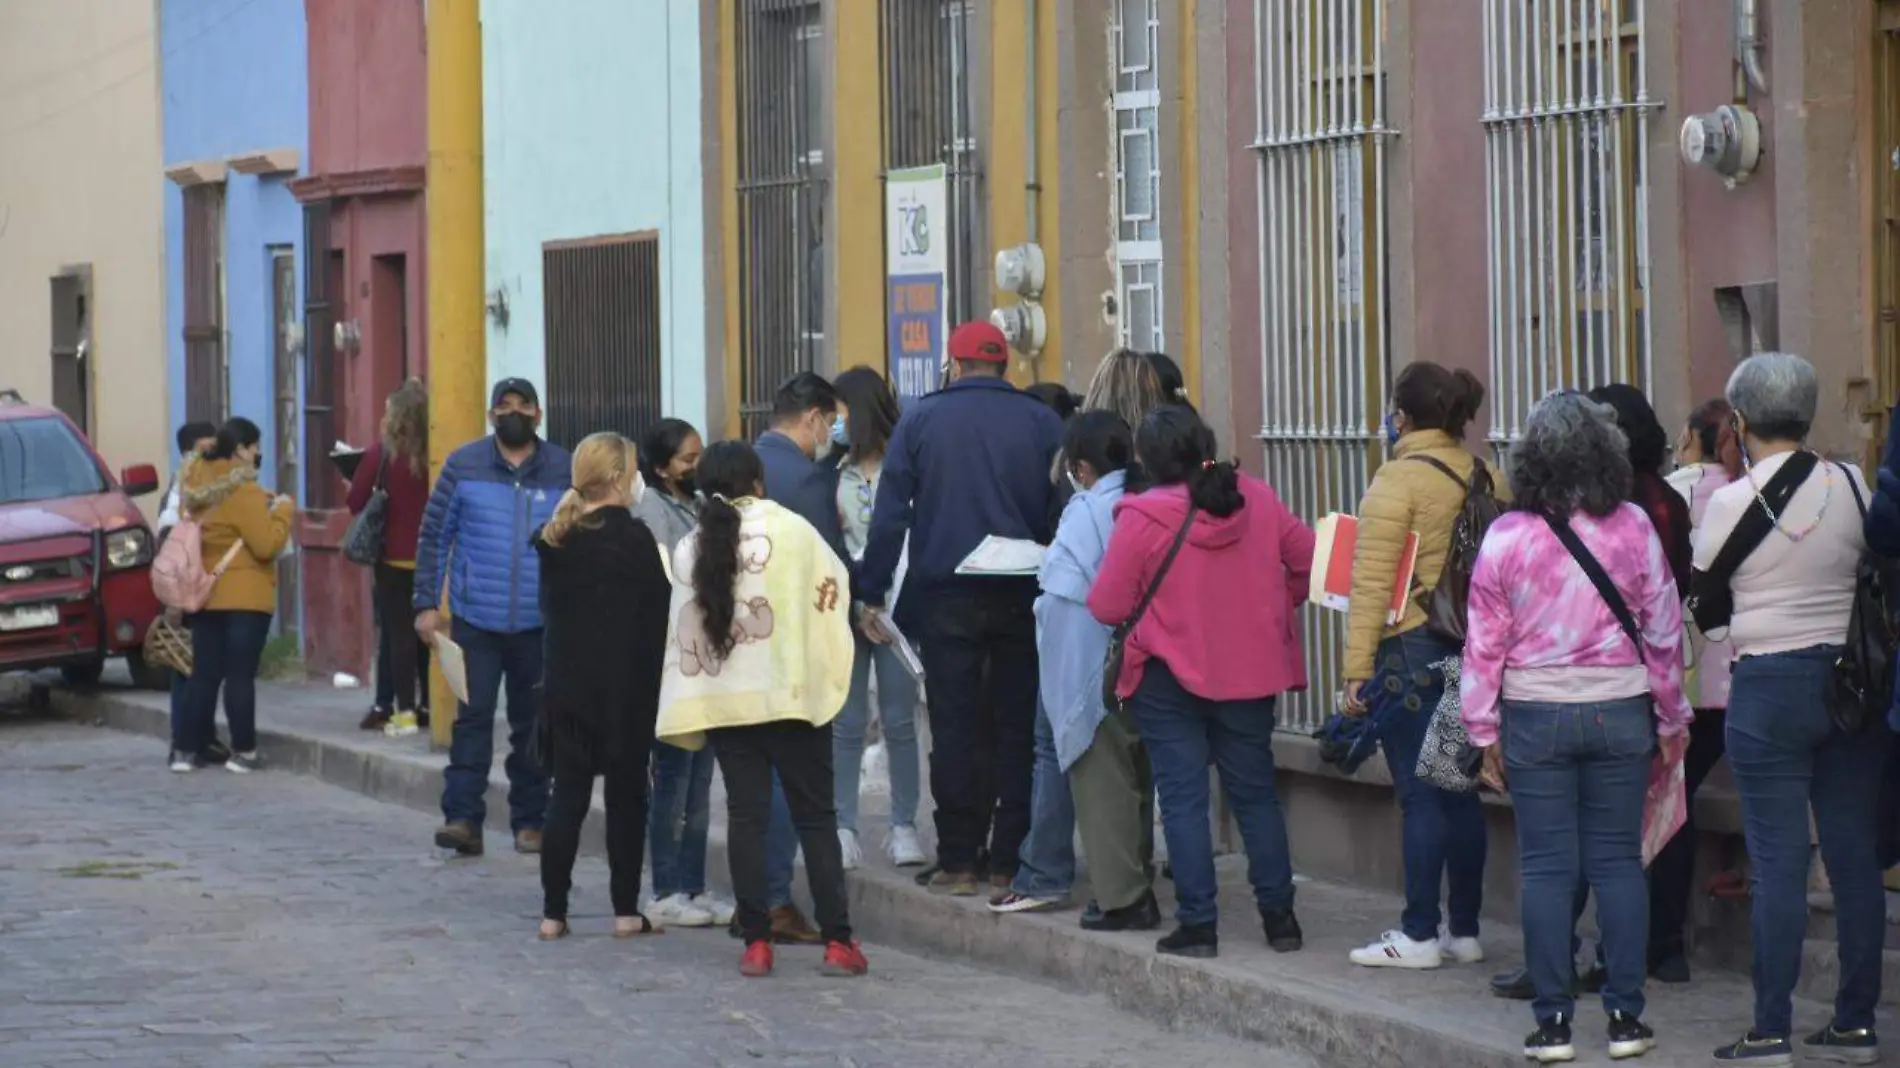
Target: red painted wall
368,80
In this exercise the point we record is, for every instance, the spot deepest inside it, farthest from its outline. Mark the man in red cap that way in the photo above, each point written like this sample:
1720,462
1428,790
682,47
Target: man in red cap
967,462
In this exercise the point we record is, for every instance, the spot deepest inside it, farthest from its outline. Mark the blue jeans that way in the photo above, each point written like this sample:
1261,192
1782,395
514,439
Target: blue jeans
781,849
677,821
1442,833
226,648
1578,774
492,657
1787,756
181,713
897,711
1184,734
1047,859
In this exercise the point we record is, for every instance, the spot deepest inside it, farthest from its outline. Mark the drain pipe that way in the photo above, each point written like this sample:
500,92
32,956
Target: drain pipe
1748,42
1032,179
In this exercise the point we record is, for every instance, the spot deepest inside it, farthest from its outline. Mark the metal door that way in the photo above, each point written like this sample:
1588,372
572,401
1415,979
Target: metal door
283,283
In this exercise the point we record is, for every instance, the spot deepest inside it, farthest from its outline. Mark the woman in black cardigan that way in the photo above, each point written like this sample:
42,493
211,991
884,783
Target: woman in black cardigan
604,599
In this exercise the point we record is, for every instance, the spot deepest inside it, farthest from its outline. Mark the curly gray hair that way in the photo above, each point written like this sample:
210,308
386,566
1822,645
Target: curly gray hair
1572,458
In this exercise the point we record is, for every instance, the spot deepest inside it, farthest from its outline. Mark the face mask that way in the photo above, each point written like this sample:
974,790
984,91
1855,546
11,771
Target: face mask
639,489
838,436
1391,430
514,429
257,462
684,485
1074,483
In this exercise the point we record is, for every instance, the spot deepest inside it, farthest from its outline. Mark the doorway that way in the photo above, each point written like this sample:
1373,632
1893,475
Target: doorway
389,324
285,408
72,342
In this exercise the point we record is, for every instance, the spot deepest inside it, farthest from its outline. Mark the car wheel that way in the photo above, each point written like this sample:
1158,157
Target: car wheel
83,674
148,676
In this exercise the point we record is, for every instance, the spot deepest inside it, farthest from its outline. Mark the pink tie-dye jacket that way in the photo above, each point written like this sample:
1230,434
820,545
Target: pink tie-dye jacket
1532,607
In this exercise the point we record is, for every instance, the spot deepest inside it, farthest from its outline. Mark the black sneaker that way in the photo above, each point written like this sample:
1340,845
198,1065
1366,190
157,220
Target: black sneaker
1551,1043
1629,1037
1752,1048
1861,1046
1143,915
1672,969
1200,940
1283,930
1091,914
244,763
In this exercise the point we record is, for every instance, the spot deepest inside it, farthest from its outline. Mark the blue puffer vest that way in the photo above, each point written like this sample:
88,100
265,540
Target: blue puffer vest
477,528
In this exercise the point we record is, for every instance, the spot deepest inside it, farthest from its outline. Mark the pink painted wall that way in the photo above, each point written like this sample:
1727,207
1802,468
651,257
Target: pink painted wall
368,85
1243,246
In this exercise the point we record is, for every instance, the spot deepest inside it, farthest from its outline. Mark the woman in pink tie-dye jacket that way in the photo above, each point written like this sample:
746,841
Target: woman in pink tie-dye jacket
1572,708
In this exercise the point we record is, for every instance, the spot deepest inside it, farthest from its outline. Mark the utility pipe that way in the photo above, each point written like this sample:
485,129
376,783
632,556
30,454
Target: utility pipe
1748,42
1032,175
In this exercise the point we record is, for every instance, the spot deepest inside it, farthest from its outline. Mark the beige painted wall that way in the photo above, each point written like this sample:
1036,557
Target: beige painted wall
81,183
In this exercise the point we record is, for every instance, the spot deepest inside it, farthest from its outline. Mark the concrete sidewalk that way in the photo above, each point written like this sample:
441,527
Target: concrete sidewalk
1313,1002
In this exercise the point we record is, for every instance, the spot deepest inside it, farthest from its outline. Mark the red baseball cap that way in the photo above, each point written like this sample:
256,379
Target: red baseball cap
979,341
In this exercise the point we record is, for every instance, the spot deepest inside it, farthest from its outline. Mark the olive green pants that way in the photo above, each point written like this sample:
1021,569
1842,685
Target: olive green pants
1114,812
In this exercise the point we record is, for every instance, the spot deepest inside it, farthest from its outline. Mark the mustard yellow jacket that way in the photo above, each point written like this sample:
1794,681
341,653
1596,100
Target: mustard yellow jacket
225,499
1406,495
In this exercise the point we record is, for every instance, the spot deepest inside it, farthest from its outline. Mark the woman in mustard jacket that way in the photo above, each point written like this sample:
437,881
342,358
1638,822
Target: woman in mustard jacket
227,637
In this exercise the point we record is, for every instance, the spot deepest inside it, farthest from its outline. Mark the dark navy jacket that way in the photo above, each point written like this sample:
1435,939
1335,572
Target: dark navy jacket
478,527
803,485
965,462
1883,512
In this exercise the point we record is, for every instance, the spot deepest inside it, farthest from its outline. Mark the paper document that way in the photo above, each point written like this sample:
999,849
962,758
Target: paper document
906,652
1336,539
1003,556
448,657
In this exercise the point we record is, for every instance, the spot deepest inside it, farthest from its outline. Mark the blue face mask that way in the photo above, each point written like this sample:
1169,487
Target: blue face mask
838,435
1391,430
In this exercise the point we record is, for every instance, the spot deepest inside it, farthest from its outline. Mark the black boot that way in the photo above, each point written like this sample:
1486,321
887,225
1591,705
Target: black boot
1191,940
1283,930
1143,915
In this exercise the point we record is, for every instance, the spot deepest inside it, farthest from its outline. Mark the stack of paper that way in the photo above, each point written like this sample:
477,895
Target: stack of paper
1337,539
1003,556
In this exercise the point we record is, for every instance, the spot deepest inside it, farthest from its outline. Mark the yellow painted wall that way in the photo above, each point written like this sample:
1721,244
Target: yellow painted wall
857,193
1008,211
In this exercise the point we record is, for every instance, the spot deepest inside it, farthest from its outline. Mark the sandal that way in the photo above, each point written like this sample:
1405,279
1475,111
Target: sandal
560,931
647,927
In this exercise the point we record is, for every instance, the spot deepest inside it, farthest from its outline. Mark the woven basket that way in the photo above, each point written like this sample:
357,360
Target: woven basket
169,644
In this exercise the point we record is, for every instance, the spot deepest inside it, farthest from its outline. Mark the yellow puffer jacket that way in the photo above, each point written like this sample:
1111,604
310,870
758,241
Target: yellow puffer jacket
225,499
1406,495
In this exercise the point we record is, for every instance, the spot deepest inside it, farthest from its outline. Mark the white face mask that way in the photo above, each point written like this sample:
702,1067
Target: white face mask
1074,483
638,491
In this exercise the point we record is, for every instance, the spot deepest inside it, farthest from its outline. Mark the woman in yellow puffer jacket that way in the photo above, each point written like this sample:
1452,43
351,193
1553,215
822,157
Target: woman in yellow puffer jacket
1389,669
227,637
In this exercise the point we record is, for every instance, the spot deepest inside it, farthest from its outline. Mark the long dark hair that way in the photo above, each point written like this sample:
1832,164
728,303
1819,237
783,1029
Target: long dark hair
1435,398
1649,442
659,445
236,433
870,412
1176,446
1099,438
728,471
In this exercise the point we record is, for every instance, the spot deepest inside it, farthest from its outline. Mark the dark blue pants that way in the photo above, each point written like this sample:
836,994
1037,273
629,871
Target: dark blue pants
1184,734
1787,756
680,815
226,648
492,658
1578,774
1442,833
181,712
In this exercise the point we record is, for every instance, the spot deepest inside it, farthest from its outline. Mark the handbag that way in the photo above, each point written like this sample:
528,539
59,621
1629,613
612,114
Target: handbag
1445,606
169,643
363,541
1860,689
1711,601
1448,760
1118,640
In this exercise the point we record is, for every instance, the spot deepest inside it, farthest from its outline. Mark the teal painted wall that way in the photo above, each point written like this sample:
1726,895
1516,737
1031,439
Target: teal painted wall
591,126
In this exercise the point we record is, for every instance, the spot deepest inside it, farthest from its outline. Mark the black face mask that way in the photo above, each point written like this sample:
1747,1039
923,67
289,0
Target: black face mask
685,485
514,429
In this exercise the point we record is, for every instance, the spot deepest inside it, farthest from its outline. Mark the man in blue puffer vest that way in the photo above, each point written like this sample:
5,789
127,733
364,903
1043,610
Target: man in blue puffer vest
491,496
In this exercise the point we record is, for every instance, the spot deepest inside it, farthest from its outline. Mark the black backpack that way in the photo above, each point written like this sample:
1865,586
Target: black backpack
1861,688
1445,613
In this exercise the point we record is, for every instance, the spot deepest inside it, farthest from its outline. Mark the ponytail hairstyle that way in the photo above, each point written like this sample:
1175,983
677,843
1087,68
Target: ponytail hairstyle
1176,446
603,463
1168,375
406,426
728,472
662,441
1713,424
1434,398
236,433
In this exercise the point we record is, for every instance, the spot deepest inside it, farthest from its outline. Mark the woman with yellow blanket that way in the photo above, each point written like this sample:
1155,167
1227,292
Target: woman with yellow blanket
758,661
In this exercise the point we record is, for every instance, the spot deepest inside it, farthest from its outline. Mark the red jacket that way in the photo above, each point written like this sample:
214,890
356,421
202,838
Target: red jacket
408,496
1222,619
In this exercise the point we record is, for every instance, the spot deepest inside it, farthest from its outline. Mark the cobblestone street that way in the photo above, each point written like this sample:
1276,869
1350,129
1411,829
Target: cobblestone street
149,919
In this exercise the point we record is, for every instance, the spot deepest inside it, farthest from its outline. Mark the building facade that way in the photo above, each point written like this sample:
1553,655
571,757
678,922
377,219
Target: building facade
235,116
81,231
596,231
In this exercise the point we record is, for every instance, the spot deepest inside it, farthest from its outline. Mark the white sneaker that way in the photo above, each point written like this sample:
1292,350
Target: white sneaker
1461,950
848,845
723,909
902,846
678,910
183,764
1394,950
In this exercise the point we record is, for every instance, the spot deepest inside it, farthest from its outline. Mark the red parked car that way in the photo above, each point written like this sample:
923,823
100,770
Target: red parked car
75,552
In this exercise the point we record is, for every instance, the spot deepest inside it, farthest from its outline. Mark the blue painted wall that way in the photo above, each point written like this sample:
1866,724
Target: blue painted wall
591,126
233,82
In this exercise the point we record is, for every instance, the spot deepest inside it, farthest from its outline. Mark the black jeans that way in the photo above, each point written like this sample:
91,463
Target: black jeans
801,754
397,642
576,762
226,648
1672,873
385,681
983,738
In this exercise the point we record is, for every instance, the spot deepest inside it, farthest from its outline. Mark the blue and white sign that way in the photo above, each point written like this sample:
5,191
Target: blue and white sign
915,259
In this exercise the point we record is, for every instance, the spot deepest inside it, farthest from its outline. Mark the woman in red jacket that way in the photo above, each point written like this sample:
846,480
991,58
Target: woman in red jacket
399,464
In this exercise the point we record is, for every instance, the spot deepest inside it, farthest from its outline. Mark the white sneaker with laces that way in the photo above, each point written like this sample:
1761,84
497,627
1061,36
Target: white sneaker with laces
904,849
848,845
1394,950
678,910
723,909
1461,950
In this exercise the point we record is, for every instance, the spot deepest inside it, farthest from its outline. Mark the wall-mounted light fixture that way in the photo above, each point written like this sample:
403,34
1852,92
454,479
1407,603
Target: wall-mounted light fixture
349,338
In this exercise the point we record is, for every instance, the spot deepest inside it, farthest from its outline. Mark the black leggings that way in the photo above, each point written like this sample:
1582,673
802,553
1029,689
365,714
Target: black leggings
397,655
575,765
801,755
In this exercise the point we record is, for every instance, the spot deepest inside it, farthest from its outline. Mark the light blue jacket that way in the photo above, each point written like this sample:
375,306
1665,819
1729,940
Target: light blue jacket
1069,642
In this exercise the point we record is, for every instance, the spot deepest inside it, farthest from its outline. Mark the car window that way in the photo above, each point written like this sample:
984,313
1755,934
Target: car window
41,459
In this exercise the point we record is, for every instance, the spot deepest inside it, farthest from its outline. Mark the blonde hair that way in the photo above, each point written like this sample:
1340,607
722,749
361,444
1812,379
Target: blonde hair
603,462
1125,383
406,425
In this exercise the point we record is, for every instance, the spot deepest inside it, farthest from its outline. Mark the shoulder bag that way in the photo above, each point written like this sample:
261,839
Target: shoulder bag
1711,601
1601,580
1118,641
1860,690
1445,613
363,541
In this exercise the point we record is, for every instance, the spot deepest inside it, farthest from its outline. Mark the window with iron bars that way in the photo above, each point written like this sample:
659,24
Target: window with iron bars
206,373
923,53
781,191
601,304
1325,356
1134,32
1566,103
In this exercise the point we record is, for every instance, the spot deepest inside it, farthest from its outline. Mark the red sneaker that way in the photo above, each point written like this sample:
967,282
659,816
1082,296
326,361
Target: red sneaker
757,962
844,959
